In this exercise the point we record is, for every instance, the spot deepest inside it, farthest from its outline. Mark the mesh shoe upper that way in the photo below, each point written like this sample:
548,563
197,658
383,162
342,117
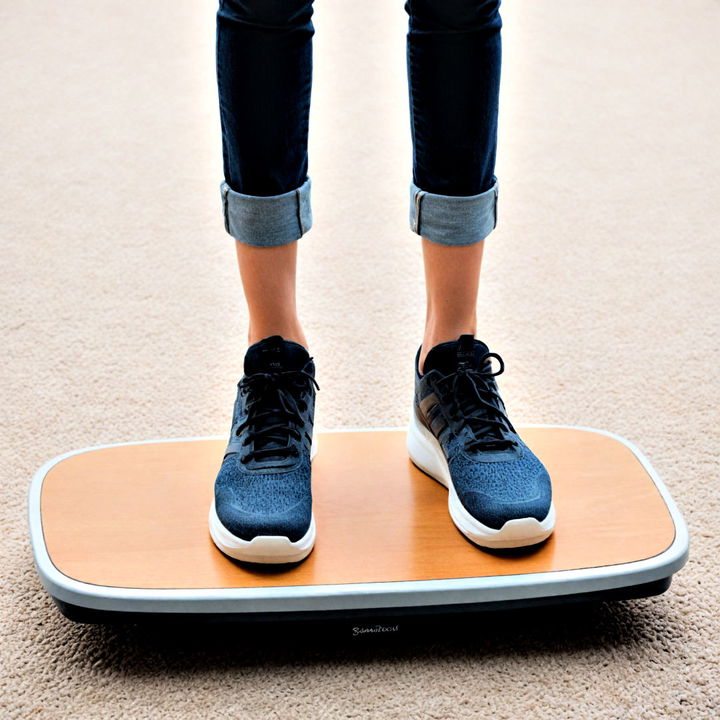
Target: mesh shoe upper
495,474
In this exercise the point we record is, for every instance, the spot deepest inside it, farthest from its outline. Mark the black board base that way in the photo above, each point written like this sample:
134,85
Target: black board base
362,621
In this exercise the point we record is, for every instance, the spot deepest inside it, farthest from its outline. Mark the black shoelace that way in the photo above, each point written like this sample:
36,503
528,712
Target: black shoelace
274,412
474,402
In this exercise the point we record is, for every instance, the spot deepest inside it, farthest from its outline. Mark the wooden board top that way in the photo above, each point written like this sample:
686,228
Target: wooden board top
135,516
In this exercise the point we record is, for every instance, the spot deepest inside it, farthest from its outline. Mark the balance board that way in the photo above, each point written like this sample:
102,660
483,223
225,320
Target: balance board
120,532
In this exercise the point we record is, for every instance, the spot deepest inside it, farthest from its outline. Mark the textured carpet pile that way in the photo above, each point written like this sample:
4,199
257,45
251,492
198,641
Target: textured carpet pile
123,319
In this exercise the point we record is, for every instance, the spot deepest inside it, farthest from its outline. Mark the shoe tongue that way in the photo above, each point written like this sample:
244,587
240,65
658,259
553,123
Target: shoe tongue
275,354
447,357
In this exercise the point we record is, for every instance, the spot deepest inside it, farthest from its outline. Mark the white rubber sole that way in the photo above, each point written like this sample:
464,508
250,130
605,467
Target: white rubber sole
266,549
425,452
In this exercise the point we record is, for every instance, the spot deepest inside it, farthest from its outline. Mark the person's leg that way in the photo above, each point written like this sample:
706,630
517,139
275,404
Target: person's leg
264,75
453,63
262,506
500,494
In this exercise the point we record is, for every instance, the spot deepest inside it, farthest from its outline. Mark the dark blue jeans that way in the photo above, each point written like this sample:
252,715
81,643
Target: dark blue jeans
264,74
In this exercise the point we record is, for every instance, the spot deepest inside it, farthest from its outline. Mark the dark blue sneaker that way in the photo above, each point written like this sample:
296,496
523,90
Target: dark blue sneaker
262,511
499,492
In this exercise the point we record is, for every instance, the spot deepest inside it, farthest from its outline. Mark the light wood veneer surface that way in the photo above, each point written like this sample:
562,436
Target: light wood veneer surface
136,515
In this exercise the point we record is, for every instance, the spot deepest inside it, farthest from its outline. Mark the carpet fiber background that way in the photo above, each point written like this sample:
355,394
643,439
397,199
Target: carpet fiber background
122,319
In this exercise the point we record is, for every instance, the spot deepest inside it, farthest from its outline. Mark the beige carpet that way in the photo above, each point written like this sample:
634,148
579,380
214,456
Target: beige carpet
122,318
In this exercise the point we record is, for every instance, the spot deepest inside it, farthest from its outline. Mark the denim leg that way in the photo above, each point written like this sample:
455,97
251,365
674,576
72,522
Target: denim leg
453,67
264,76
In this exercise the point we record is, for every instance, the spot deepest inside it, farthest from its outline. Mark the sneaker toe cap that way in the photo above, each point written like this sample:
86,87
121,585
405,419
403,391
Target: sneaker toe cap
293,523
494,513
493,495
252,504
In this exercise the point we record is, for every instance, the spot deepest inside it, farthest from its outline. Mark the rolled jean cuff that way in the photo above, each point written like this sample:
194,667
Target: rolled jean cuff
269,220
453,219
